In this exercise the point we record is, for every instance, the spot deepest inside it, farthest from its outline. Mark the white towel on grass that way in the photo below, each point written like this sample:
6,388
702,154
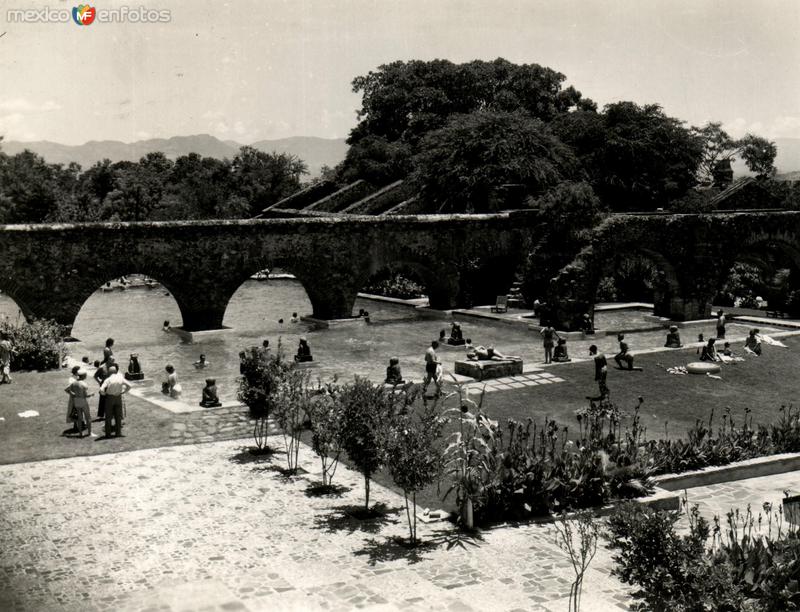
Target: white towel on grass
772,341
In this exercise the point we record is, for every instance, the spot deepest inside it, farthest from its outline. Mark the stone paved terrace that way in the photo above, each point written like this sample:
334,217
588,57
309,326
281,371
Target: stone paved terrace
209,527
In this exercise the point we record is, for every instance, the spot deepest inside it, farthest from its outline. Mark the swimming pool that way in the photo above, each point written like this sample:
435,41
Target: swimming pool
134,319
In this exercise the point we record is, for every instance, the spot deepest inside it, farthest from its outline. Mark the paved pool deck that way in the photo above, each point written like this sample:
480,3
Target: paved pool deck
210,527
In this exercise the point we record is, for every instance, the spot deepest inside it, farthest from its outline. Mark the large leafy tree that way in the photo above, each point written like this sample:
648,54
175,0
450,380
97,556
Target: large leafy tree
458,165
30,188
138,188
636,157
720,149
262,179
402,102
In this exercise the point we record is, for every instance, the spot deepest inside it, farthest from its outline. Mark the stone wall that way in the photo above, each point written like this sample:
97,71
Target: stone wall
693,254
50,271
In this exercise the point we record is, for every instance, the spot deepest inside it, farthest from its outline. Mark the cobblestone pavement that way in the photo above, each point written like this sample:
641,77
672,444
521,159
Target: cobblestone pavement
210,527
717,500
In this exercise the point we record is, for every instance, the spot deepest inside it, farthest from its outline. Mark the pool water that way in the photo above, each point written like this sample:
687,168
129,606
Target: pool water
627,319
134,319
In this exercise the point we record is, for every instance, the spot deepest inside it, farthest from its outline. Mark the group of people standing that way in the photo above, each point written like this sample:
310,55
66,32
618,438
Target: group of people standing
112,388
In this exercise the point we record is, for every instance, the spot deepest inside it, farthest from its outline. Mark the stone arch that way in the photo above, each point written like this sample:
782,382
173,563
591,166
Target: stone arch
88,285
247,272
785,245
572,293
19,295
666,293
768,253
441,287
330,289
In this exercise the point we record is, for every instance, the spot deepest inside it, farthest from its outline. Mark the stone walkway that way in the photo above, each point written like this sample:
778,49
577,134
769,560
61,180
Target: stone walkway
210,527
205,527
754,492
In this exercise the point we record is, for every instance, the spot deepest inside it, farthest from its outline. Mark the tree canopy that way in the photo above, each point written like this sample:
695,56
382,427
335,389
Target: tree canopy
719,148
458,164
439,123
154,188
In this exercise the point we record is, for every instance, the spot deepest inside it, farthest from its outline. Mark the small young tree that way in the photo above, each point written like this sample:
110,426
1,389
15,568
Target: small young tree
364,409
323,410
578,538
413,452
261,373
292,400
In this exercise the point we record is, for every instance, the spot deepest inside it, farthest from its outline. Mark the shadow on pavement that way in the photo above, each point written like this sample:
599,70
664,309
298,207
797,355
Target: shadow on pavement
353,518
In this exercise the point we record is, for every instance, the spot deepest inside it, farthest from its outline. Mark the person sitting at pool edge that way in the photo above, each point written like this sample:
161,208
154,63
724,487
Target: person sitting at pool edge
673,338
393,374
210,398
560,354
624,355
710,351
456,336
726,350
752,343
303,351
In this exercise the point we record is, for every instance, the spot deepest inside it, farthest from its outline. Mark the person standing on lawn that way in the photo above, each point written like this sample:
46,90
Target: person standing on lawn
432,369
113,388
720,325
549,336
100,375
108,350
6,351
600,373
79,393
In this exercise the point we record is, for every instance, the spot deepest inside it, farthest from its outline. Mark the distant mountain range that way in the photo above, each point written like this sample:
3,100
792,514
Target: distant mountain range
316,152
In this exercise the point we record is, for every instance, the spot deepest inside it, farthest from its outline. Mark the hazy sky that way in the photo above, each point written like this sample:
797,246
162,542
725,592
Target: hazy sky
250,70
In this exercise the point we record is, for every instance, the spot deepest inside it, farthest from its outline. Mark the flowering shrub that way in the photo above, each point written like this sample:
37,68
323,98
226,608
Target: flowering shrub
39,344
732,442
395,286
529,469
743,568
261,376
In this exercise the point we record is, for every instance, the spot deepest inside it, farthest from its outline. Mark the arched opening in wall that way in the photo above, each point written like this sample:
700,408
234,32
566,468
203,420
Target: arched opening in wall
483,279
637,277
10,310
132,309
393,292
265,298
764,276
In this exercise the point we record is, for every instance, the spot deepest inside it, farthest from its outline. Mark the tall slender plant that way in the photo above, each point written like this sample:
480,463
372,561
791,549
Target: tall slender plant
413,454
365,409
325,415
261,373
292,400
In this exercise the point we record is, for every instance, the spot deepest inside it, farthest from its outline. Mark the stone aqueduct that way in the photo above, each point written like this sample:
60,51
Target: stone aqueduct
50,271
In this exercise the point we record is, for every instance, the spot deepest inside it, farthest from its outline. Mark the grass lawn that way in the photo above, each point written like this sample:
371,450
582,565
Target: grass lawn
41,437
762,384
